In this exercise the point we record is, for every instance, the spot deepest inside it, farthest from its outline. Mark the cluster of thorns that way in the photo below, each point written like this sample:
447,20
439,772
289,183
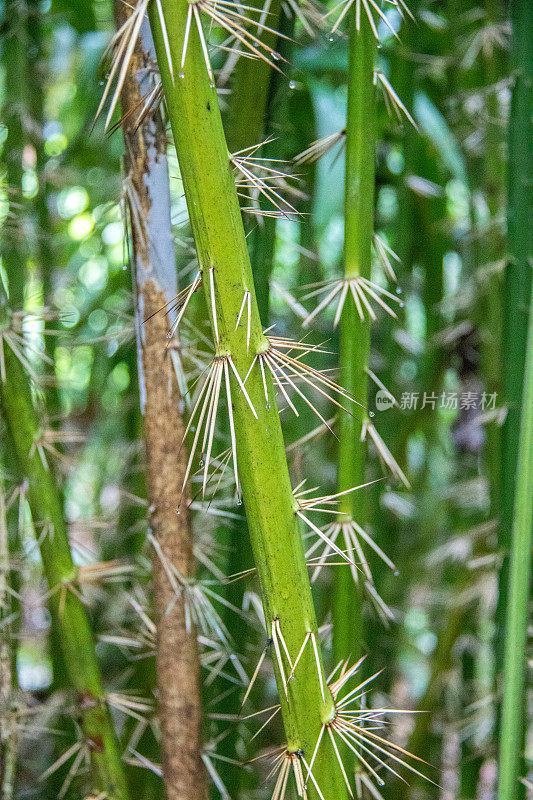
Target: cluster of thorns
266,183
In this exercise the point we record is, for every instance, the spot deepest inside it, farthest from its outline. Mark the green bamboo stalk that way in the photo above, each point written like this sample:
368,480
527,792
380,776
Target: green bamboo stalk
223,257
355,333
8,728
14,47
487,247
517,441
263,237
36,67
247,122
488,242
244,126
155,281
246,115
513,715
61,574
517,278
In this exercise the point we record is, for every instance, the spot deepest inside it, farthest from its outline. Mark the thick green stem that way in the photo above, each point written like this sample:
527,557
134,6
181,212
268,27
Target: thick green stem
61,575
223,257
155,281
513,727
247,122
355,333
44,230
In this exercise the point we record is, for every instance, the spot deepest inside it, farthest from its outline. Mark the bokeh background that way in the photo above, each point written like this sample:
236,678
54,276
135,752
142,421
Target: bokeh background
441,207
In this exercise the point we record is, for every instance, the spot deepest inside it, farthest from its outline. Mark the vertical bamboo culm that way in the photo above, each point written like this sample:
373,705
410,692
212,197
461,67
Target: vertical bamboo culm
266,490
147,194
77,643
355,332
517,441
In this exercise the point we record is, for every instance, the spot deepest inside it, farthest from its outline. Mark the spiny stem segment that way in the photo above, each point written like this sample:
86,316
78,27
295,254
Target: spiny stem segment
240,26
71,619
222,253
354,322
238,21
355,726
181,609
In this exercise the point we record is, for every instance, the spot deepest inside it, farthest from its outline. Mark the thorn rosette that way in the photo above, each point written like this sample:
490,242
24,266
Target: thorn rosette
354,725
290,371
230,17
369,8
267,178
205,412
13,333
363,292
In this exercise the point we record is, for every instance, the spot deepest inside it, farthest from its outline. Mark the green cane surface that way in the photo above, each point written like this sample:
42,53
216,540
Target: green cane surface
355,333
71,619
262,238
15,92
517,441
245,117
220,242
517,277
513,716
247,122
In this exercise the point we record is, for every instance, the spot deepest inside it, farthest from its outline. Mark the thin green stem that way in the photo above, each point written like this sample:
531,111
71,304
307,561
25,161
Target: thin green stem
517,440
223,258
490,245
263,237
61,575
246,115
517,279
8,728
355,332
14,47
36,67
513,728
360,151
